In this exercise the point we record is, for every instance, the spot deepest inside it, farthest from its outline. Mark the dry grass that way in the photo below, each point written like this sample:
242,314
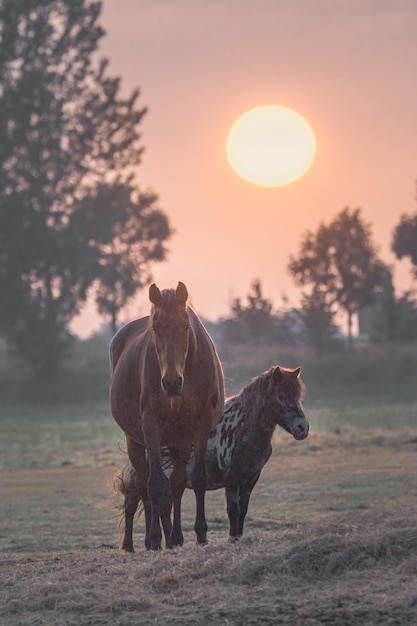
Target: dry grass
331,538
352,575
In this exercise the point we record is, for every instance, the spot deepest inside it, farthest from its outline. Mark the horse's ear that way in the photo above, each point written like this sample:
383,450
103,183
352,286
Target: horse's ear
277,374
297,372
181,293
154,295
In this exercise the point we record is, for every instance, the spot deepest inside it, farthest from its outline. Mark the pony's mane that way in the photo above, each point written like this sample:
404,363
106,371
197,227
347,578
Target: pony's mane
255,392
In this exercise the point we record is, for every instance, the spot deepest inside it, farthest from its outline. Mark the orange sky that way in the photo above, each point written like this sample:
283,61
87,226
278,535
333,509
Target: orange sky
348,66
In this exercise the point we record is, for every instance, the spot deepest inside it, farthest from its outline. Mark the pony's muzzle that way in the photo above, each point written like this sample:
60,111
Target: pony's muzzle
172,386
300,429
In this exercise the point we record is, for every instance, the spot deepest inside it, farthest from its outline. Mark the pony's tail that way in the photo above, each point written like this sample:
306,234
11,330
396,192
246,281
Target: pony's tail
124,484
122,480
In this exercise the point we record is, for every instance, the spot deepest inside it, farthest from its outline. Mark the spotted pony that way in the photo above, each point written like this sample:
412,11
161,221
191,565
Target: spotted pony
241,443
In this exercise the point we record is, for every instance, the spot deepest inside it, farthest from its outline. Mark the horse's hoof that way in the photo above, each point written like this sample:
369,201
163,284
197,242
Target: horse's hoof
202,540
176,540
234,539
176,544
129,549
155,547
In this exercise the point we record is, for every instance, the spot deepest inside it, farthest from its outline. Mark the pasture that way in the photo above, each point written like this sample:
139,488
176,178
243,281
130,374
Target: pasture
330,536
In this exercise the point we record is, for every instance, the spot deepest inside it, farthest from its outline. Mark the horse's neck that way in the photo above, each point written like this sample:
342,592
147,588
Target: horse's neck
194,334
199,333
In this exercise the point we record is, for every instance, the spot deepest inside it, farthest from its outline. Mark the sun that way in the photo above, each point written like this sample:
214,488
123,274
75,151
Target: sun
271,145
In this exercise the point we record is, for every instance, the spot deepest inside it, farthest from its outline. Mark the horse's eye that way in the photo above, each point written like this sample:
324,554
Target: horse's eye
280,397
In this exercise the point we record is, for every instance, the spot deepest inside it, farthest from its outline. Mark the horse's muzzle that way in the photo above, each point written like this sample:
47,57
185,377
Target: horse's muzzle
172,387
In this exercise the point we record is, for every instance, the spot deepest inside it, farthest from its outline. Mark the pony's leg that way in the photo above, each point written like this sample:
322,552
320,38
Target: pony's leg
166,507
147,511
177,483
199,484
233,508
244,493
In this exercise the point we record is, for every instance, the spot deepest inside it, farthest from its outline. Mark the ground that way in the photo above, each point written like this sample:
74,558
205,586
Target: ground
330,538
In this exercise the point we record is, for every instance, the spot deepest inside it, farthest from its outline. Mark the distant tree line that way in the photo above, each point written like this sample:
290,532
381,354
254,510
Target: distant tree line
339,271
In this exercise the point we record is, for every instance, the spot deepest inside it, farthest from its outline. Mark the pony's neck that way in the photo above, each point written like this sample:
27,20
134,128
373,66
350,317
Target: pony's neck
259,418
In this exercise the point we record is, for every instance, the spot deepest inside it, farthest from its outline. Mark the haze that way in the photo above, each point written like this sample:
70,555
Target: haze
347,66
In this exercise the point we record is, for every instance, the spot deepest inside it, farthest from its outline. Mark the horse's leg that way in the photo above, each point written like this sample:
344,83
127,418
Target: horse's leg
177,483
199,484
233,507
156,487
137,457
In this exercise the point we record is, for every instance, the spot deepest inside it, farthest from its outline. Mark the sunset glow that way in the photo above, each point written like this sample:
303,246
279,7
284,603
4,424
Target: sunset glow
270,146
218,60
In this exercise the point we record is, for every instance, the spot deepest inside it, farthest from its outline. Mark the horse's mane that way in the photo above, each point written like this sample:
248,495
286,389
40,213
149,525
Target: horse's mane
168,298
255,395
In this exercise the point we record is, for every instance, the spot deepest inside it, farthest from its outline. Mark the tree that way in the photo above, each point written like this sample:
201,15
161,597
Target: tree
64,131
340,263
317,318
404,241
390,318
125,232
252,322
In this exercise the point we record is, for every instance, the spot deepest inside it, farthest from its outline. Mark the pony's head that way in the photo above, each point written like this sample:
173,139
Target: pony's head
287,392
170,334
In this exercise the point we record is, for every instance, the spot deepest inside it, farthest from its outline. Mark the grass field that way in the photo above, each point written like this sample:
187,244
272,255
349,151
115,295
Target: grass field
330,537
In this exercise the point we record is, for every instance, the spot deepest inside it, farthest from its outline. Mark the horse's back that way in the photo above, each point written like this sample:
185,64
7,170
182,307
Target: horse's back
211,371
125,388
124,337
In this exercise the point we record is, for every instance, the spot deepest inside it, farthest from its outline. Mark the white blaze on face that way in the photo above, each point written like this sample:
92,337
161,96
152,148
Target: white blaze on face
300,425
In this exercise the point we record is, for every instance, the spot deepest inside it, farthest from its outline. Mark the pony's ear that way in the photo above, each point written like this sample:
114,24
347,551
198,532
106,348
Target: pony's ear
297,372
277,374
181,293
154,295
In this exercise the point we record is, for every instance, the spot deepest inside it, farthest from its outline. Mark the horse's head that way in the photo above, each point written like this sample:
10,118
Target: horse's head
170,329
288,390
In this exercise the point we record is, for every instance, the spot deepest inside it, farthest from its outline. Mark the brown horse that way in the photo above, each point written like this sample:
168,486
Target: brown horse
167,390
